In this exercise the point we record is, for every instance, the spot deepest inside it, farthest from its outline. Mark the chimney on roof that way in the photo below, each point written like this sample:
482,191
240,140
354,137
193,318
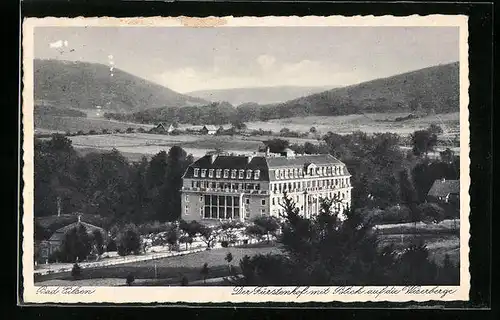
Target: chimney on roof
249,158
79,217
443,179
213,157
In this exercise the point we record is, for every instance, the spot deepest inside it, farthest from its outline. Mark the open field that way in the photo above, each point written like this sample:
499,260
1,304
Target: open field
369,123
137,144
75,124
438,244
167,269
440,238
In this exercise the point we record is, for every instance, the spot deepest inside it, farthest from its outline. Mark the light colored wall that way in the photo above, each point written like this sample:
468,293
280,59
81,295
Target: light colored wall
194,206
255,206
255,200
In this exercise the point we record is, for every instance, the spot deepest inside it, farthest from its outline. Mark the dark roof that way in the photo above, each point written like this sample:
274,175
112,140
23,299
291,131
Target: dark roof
264,164
210,127
441,188
230,162
301,160
60,233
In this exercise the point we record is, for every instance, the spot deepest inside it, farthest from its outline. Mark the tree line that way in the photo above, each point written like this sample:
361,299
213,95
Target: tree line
326,250
107,184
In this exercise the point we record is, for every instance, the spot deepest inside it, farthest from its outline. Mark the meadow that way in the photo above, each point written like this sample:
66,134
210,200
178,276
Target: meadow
75,124
440,238
134,145
168,270
369,123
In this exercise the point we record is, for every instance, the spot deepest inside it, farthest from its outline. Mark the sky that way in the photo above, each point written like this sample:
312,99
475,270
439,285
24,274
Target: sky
189,59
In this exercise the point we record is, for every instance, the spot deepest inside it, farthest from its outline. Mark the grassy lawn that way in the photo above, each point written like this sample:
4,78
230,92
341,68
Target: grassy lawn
134,145
168,269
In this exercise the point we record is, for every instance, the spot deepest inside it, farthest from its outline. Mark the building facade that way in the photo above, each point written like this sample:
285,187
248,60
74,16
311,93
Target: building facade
224,187
209,129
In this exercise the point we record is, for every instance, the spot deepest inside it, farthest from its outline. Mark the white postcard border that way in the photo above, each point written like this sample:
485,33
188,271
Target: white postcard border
32,294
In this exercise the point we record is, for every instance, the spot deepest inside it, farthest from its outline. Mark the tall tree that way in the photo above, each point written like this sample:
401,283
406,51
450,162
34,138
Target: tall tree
423,141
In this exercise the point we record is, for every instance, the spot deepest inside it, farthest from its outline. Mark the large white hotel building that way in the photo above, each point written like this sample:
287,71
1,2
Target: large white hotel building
243,187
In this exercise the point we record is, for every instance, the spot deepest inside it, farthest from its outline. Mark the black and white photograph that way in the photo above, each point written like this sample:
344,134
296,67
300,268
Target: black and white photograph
238,159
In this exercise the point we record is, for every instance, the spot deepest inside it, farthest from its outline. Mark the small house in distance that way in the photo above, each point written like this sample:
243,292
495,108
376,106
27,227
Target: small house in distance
444,191
163,127
209,129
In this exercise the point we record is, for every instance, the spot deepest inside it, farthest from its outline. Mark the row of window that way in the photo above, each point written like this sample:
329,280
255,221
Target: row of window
337,182
310,199
225,185
219,173
311,170
312,210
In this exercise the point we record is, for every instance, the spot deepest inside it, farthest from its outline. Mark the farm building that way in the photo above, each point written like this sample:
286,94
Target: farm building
54,243
209,129
444,191
163,127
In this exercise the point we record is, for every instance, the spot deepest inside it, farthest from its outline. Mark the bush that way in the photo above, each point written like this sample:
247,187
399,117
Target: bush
152,227
76,271
394,214
56,256
204,271
129,241
184,281
76,245
98,240
130,279
111,246
224,243
431,212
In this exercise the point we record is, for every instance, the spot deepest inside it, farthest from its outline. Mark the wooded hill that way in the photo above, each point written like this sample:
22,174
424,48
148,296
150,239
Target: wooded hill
261,95
430,90
84,85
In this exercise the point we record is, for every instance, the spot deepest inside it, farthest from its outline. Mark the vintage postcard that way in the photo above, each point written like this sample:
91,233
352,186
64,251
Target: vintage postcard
242,160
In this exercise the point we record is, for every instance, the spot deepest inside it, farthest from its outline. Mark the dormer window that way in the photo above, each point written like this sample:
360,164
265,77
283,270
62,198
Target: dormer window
226,173
196,172
211,173
249,174
281,174
277,174
203,173
233,174
256,175
218,173
286,173
241,174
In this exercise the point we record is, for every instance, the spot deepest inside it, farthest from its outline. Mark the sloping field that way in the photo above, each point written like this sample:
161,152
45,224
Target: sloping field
138,144
74,124
369,123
